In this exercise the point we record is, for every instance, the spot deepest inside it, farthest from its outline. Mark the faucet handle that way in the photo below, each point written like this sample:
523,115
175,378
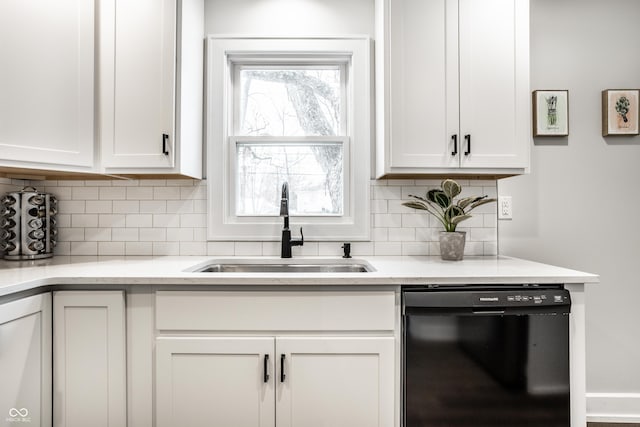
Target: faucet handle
298,242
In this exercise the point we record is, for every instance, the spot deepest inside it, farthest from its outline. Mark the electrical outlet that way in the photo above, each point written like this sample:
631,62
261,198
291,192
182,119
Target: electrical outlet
505,207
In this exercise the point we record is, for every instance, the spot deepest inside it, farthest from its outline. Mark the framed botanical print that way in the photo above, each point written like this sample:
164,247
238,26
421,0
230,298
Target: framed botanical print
551,113
620,112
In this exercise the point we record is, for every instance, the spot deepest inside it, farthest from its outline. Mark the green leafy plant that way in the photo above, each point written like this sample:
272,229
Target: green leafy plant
440,203
622,107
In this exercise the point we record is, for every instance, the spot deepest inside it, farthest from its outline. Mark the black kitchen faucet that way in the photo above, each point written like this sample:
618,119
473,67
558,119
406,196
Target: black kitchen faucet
287,242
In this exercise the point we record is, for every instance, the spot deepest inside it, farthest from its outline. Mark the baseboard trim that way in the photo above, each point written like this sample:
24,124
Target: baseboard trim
613,407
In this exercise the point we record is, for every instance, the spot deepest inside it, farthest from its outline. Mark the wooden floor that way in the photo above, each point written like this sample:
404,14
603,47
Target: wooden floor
612,425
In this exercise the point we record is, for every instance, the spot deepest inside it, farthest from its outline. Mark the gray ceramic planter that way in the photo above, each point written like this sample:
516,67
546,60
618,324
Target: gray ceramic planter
452,245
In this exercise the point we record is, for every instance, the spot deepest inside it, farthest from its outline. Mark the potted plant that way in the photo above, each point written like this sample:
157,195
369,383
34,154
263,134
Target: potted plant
440,203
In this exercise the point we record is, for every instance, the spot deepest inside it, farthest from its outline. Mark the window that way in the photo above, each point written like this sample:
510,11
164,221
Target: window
288,110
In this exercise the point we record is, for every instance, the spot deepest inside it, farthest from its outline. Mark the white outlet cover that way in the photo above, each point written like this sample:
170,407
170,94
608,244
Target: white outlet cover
505,207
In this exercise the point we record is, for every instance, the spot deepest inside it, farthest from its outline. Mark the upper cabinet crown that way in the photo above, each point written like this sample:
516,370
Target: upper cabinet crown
452,87
123,76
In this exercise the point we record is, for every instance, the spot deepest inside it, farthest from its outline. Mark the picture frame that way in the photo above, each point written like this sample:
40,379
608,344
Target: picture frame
620,112
550,112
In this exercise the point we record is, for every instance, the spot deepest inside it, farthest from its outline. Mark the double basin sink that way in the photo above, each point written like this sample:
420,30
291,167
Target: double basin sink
279,266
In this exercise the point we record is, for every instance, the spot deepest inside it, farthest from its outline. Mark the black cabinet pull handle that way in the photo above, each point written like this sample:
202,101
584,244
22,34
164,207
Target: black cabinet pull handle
266,368
165,140
455,144
282,375
468,139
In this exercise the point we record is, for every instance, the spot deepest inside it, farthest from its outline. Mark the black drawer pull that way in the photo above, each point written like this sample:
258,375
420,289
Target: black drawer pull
165,147
454,138
468,139
282,375
266,368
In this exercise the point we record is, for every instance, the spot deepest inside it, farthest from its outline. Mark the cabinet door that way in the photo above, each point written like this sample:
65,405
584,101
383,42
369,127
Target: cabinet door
89,361
47,84
494,83
215,382
138,83
337,382
25,362
423,77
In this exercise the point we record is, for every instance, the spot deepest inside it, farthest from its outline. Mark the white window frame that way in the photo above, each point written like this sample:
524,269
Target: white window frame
223,53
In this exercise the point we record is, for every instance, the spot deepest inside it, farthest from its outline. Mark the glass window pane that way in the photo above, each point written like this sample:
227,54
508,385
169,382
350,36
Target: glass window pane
314,173
290,101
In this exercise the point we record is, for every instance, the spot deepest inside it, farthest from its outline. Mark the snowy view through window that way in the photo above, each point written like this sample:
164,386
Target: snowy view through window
301,104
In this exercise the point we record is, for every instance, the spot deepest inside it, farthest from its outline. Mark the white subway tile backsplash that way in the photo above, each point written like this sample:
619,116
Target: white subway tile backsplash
166,193
84,220
387,220
248,248
125,234
97,234
415,248
180,206
71,234
387,193
126,206
84,193
166,220
153,206
139,220
153,234
220,248
110,248
112,193
84,248
99,206
63,220
140,193
109,220
168,217
193,220
71,207
402,235
180,234
387,248
166,248
138,248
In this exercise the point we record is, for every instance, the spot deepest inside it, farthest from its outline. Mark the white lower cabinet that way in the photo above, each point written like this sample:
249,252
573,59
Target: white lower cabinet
281,381
89,364
334,381
25,362
285,358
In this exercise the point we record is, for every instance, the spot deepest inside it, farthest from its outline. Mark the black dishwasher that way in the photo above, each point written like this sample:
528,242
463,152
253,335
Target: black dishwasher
486,357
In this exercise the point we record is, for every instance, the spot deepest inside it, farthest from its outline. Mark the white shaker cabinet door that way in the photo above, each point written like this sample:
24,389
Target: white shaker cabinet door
138,83
494,83
215,382
47,84
337,382
89,361
25,362
423,90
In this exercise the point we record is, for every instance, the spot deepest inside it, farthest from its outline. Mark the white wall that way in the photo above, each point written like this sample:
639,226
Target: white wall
290,17
578,207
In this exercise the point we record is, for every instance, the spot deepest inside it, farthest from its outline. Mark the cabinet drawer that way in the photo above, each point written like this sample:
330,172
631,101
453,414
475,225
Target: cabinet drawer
273,311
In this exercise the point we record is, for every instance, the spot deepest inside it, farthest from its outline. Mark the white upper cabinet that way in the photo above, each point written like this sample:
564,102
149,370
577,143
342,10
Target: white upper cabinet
151,86
47,84
452,80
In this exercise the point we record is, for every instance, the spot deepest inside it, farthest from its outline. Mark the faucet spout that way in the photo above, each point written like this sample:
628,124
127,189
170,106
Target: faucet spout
287,242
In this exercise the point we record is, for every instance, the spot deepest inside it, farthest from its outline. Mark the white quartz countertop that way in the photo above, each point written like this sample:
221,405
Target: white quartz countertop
166,270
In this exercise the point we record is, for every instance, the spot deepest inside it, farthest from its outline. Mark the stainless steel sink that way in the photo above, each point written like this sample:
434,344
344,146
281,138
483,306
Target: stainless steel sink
259,267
